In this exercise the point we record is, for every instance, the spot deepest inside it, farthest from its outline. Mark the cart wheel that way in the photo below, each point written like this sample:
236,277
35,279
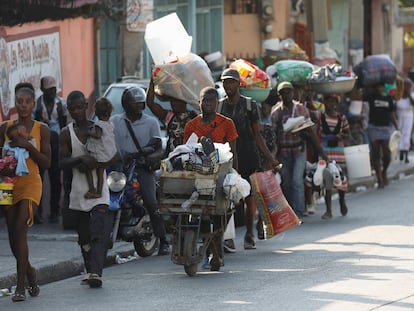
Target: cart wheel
190,252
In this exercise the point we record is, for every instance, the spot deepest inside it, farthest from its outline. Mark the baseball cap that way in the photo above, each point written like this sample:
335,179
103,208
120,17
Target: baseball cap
284,85
230,73
48,82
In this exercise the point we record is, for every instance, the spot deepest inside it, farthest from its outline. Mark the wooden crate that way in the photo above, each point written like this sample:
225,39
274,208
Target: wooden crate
177,186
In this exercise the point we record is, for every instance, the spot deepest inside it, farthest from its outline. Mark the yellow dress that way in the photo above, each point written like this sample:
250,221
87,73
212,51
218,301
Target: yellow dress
29,187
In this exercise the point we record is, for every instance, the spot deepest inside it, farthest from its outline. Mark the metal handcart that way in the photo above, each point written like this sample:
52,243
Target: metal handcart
201,225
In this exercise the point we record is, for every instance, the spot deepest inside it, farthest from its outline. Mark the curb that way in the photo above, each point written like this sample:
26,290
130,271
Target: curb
63,270
369,182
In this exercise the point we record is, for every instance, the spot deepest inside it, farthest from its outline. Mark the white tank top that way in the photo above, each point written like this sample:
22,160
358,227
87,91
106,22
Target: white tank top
79,182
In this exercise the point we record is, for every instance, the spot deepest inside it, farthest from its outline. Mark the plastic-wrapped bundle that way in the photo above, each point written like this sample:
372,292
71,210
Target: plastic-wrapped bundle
376,69
183,79
294,71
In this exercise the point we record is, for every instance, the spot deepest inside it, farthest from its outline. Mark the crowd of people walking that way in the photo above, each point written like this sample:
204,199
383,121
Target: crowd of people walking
58,136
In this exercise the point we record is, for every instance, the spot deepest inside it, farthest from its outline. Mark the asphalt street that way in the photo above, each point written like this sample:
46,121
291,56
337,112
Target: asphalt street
363,261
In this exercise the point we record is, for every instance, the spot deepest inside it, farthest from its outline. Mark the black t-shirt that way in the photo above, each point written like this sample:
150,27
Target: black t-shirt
243,118
380,108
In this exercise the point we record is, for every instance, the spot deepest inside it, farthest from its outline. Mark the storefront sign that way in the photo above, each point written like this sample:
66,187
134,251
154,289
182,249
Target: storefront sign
139,14
27,60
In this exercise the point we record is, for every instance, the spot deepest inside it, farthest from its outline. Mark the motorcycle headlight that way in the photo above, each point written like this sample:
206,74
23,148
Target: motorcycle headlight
116,181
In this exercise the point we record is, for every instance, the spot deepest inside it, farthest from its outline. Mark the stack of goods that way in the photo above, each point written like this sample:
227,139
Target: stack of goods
375,69
331,79
177,73
324,55
254,82
277,50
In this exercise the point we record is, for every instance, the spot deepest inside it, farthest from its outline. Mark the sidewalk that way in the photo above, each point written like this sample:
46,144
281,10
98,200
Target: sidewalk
56,254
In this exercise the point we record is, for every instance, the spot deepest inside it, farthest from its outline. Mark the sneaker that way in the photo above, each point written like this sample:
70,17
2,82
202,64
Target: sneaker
249,243
208,145
95,281
206,263
85,279
327,216
260,232
311,209
229,246
164,248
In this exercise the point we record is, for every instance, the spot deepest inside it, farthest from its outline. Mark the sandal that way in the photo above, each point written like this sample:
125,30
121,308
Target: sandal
33,287
19,295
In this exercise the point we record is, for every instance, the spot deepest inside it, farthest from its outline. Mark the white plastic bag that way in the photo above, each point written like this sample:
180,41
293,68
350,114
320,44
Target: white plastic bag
230,233
235,187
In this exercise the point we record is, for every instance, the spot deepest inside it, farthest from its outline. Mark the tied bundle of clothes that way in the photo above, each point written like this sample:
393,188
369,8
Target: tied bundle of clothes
201,158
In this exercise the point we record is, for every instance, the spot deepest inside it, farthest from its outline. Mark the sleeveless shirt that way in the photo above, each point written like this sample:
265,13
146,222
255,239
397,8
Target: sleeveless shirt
77,200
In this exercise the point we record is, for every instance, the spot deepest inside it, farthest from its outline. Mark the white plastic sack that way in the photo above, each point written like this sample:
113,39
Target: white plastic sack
225,155
235,187
393,144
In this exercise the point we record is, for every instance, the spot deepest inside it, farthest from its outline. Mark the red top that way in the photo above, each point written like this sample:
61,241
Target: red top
220,130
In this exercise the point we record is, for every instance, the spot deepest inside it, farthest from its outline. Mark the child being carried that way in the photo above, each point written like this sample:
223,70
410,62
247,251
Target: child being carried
101,145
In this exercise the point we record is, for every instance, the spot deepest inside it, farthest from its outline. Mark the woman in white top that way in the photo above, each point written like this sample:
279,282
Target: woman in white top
405,119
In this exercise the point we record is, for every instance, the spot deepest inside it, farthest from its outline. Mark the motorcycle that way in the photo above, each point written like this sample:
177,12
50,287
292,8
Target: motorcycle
132,221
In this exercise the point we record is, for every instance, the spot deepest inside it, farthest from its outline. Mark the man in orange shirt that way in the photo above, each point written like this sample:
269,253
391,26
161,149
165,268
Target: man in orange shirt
219,129
211,124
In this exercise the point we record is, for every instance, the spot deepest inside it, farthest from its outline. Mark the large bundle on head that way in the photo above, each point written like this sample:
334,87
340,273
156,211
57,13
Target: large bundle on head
183,79
293,71
375,69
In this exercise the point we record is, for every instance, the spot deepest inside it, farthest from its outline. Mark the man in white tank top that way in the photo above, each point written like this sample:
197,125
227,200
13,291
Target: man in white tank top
94,221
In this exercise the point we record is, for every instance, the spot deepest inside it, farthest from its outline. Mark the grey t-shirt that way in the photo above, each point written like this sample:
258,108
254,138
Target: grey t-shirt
144,129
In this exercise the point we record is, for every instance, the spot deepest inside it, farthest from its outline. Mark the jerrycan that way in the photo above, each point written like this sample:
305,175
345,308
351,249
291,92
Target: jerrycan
167,39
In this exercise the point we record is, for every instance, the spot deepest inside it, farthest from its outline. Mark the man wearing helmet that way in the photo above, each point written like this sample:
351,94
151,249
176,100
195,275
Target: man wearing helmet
146,131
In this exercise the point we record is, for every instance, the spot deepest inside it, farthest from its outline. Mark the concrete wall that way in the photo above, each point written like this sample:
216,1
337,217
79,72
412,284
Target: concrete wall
77,45
243,36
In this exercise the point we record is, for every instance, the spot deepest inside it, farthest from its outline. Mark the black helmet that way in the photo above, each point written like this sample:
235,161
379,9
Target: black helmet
133,94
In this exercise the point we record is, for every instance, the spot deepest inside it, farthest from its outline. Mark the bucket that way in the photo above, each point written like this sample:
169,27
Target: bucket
6,194
355,108
167,39
358,162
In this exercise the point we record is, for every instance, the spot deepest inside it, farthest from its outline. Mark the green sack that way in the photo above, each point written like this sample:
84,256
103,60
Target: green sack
294,71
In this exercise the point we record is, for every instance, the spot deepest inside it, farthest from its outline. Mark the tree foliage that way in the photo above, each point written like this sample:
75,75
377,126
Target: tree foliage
406,3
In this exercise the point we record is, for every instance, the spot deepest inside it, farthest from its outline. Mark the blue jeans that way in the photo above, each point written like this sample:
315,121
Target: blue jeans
292,181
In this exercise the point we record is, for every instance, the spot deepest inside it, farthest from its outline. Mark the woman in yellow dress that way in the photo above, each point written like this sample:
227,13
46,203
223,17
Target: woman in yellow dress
27,189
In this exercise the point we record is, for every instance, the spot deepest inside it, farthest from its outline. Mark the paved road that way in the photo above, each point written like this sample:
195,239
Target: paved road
364,261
